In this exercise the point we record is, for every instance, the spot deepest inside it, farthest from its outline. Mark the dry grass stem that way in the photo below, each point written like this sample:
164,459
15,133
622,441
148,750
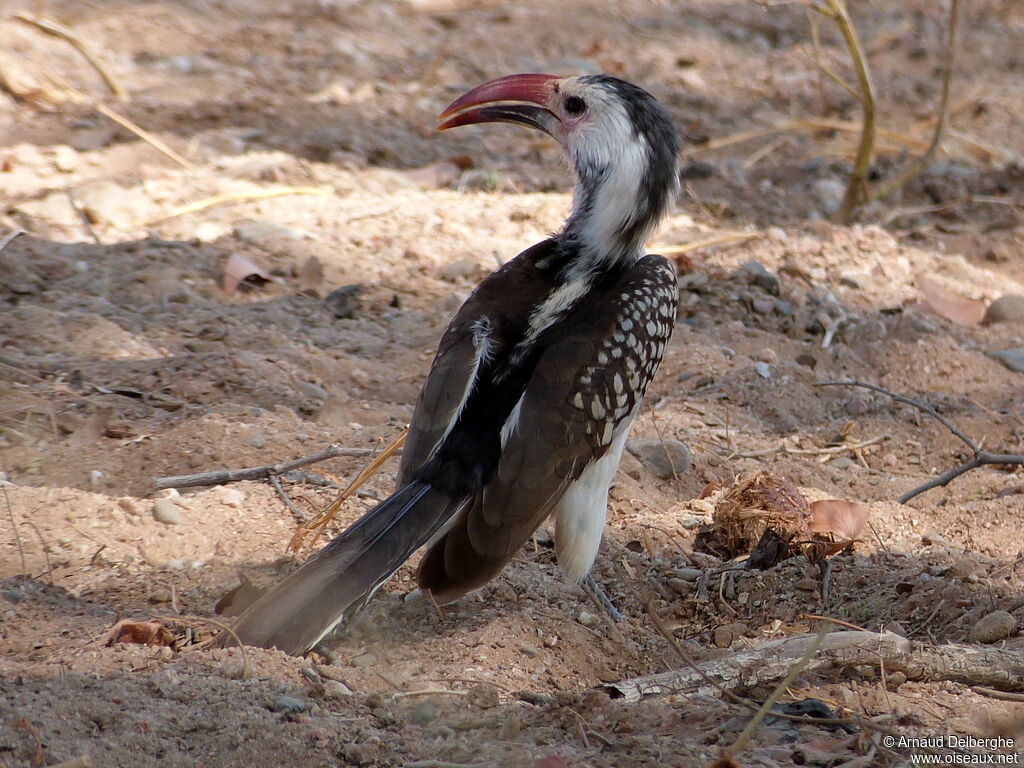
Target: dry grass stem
705,242
143,134
741,741
317,525
233,197
57,29
857,186
14,528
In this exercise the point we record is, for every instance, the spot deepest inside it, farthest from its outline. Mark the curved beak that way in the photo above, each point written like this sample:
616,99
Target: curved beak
508,99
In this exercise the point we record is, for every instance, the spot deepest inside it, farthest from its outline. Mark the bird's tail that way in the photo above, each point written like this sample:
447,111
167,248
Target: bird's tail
298,612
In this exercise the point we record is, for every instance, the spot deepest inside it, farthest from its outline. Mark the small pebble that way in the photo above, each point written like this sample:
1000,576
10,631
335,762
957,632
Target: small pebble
588,619
288,705
166,511
13,595
896,679
697,169
830,192
688,574
312,391
996,626
725,635
1011,358
1005,309
763,370
755,273
335,689
343,302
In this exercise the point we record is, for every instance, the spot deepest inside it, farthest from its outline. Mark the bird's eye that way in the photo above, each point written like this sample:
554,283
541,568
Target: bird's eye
575,106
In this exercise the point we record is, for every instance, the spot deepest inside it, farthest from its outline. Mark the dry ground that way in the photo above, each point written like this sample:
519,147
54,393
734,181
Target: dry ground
122,359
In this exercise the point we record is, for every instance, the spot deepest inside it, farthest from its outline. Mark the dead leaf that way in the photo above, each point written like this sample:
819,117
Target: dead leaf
139,633
311,276
950,305
843,519
551,761
239,269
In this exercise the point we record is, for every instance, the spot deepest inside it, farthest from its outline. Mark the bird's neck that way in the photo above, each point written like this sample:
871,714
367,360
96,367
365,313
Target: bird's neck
614,211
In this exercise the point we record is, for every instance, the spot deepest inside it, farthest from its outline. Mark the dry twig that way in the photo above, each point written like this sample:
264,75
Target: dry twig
857,186
231,197
980,458
14,527
222,476
705,242
10,237
57,29
884,190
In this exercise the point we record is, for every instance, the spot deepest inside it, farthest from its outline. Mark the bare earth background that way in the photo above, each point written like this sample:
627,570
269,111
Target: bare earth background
123,359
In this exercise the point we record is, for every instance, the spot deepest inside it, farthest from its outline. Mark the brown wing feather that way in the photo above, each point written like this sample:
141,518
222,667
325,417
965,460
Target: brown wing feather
497,298
559,433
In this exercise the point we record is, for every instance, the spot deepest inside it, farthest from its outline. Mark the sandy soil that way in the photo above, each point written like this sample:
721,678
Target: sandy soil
123,359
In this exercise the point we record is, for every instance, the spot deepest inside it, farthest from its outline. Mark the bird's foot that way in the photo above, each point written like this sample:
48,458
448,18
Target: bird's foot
593,589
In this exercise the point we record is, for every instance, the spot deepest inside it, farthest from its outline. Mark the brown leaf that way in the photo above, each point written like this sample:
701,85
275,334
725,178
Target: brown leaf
239,269
950,305
843,519
551,761
311,276
139,633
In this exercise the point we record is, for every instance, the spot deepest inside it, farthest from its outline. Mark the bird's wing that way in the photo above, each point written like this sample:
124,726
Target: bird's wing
457,363
594,370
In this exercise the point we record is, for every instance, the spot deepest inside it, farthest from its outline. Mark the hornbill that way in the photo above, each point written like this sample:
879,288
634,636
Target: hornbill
536,380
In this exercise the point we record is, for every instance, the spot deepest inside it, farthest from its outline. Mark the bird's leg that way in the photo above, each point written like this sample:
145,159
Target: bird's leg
593,589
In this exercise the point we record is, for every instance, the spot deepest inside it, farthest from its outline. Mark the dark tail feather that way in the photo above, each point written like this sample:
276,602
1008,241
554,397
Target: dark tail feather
296,613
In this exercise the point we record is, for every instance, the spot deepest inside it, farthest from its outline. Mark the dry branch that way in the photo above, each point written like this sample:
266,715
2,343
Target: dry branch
998,668
857,186
884,190
222,476
980,458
